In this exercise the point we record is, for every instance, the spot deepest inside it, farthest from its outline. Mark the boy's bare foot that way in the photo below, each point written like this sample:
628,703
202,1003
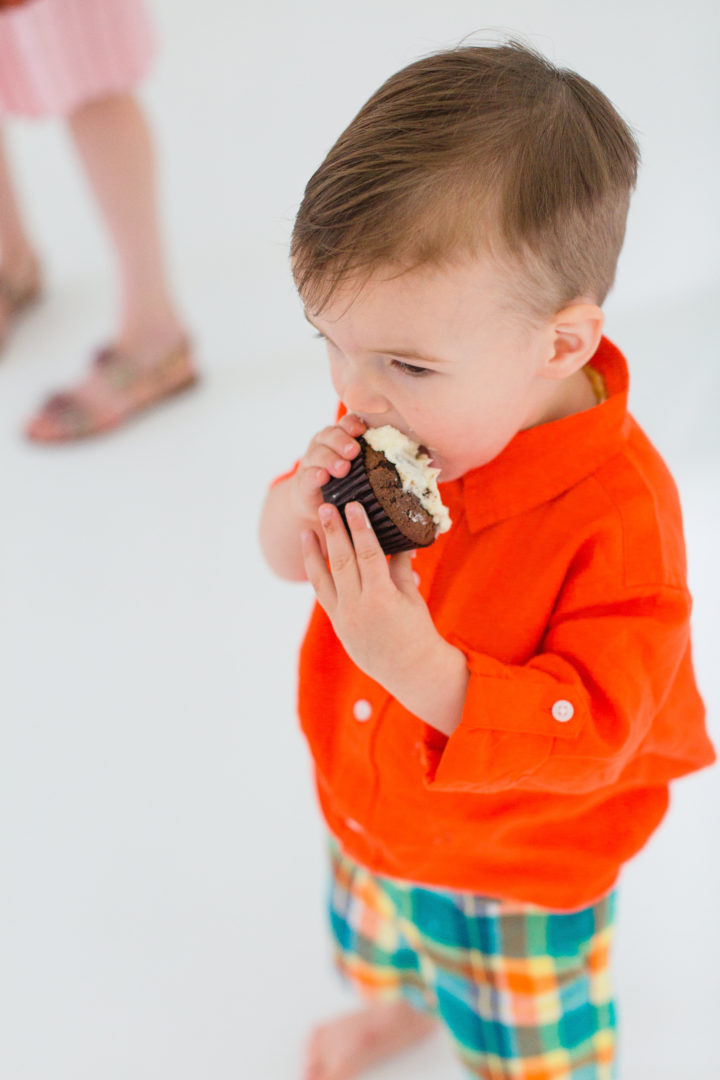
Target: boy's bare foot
346,1046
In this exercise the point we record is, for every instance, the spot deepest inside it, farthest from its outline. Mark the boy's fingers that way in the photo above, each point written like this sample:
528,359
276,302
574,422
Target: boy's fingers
341,554
324,457
371,559
352,424
317,572
337,440
309,481
402,573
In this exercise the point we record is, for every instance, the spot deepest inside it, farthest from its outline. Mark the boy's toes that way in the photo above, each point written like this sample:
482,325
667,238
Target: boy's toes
322,1059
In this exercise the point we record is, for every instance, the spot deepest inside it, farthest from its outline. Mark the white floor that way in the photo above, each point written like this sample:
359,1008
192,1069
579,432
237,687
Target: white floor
161,855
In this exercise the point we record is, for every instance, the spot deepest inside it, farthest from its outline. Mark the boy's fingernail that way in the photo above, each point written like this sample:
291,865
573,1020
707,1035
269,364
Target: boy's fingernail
325,513
349,449
359,514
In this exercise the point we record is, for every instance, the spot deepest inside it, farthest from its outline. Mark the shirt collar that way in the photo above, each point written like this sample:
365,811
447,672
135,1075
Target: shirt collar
542,462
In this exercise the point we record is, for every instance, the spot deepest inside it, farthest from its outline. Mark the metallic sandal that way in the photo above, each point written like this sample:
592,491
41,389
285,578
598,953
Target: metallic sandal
118,388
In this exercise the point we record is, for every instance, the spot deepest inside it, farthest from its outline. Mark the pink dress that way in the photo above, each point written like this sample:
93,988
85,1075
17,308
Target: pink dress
58,54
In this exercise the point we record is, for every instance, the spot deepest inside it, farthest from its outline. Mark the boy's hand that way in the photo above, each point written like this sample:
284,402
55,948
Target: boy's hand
374,605
329,454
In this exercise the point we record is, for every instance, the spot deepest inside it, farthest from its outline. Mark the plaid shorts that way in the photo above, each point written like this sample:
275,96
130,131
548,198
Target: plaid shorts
524,992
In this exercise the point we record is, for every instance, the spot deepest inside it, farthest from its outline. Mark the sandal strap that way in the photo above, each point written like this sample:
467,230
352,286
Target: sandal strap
118,369
121,370
77,417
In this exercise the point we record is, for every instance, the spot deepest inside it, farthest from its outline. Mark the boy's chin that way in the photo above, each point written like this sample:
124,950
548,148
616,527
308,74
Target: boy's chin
455,470
447,472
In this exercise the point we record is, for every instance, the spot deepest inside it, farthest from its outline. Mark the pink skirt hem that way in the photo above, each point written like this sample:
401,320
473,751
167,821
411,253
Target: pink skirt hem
58,54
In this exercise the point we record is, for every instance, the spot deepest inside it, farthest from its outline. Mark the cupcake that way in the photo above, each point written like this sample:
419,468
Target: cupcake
394,481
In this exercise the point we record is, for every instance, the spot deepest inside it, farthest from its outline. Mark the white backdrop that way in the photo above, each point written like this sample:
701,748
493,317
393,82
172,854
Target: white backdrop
161,906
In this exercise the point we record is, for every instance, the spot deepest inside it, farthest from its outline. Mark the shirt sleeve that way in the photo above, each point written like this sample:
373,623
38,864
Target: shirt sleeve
573,716
286,475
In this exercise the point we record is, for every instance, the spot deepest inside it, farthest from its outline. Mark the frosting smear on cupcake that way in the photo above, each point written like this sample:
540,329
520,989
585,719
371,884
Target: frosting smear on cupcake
413,467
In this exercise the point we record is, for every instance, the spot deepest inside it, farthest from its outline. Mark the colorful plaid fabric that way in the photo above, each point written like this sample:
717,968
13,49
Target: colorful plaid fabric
524,992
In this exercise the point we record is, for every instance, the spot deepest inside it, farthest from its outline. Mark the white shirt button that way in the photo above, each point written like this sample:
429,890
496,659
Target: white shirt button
362,710
563,711
354,825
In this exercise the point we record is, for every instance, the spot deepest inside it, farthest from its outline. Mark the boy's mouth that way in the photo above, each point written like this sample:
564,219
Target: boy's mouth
422,448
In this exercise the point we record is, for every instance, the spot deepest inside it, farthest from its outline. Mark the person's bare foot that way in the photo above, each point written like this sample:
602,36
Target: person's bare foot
345,1047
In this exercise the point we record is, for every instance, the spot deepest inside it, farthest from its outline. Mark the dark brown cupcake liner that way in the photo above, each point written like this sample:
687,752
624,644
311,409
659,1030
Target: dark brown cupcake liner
355,487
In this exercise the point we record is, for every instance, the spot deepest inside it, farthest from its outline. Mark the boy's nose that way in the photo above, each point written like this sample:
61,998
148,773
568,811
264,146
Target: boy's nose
361,397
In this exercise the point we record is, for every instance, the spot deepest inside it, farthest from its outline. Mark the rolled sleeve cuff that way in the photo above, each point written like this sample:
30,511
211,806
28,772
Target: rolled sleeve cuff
510,720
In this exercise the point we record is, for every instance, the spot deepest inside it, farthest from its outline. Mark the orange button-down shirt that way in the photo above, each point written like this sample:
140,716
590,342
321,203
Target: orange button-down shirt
563,582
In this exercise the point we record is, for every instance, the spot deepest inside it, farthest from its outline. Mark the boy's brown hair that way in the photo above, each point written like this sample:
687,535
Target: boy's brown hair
476,149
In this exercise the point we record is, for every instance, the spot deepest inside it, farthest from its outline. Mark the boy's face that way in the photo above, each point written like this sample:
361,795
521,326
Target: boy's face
438,354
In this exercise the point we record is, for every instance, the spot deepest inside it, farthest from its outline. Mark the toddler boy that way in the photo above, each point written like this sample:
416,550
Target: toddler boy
495,722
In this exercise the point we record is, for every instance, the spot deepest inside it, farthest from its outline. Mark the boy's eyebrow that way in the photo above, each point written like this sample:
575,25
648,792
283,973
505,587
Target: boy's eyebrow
406,354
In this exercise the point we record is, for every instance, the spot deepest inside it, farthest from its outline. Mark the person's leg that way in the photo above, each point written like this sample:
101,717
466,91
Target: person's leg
114,143
373,954
19,270
534,999
116,149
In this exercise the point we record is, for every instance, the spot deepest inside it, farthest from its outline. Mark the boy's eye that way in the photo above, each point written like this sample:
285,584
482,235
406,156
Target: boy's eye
399,365
410,369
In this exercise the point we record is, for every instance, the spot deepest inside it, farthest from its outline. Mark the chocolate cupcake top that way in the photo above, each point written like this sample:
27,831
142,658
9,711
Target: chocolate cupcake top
394,481
402,507
410,474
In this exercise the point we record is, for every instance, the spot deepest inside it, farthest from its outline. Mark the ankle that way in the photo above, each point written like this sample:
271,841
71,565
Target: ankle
148,342
347,1046
19,265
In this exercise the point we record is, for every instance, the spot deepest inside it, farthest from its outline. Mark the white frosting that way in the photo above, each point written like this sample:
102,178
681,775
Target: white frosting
414,469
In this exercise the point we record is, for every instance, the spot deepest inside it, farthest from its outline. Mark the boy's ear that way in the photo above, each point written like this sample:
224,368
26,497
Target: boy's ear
575,331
